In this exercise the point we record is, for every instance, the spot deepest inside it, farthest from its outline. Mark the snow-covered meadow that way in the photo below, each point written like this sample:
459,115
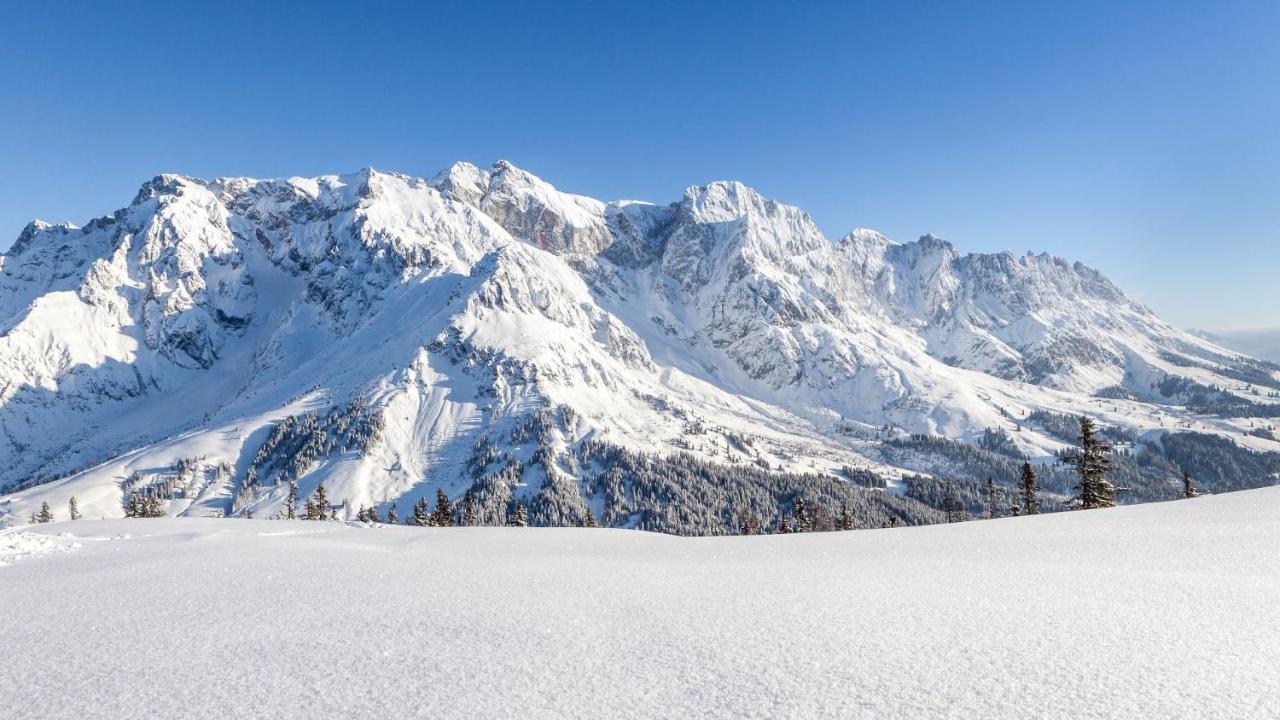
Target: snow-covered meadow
1164,610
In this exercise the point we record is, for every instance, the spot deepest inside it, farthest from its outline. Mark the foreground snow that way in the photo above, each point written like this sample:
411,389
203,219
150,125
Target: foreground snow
1149,611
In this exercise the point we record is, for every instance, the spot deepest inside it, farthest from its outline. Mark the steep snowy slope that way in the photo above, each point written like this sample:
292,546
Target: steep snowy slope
1164,610
391,336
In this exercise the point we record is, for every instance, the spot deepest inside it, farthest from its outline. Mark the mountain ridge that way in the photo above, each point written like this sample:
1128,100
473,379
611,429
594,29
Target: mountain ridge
460,306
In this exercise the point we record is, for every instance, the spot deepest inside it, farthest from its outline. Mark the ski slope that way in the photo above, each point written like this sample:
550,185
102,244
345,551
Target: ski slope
1163,610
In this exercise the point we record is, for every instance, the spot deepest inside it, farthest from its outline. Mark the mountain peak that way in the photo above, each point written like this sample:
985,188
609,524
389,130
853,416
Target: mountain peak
35,229
929,241
164,184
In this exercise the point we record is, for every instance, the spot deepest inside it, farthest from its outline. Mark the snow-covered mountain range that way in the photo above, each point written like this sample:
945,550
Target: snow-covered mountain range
482,330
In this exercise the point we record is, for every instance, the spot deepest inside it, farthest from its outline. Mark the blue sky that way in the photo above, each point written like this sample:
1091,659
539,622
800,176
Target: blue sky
1142,138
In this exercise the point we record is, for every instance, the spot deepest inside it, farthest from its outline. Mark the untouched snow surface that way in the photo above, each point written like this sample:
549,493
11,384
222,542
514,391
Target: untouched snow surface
1150,611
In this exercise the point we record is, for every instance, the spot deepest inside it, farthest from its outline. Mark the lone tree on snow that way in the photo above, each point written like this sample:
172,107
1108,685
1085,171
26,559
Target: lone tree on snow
1188,488
44,516
1093,462
291,502
317,504
73,508
1027,487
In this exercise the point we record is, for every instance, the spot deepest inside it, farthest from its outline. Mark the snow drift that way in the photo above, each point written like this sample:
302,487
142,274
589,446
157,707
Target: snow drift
1160,610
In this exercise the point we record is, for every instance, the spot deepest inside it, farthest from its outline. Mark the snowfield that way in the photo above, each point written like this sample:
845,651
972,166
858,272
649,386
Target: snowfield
1163,610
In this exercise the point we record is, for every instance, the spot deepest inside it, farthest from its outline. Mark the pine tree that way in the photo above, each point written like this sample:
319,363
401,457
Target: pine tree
392,517
45,515
421,516
590,520
1027,487
803,521
73,508
469,516
291,502
520,518
443,515
133,508
1188,487
317,507
846,520
1092,463
784,526
951,504
153,507
993,499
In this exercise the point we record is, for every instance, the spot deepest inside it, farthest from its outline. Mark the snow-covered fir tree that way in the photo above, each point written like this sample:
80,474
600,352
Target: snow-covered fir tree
421,514
846,520
1092,461
520,518
470,516
317,506
804,522
1027,488
993,499
952,506
442,516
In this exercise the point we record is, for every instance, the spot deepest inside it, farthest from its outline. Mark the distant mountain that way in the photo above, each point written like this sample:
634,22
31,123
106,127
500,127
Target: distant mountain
672,367
1263,344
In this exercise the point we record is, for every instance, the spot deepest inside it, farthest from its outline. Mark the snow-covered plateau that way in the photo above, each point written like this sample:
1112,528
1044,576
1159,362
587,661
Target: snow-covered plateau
1163,610
220,345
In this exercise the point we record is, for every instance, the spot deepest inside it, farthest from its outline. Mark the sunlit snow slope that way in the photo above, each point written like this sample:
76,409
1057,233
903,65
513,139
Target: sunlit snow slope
1161,610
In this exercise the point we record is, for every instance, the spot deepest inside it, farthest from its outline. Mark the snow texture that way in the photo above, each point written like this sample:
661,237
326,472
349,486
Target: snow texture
1159,610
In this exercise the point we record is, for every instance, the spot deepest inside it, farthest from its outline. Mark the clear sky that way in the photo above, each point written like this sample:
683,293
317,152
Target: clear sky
1142,138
